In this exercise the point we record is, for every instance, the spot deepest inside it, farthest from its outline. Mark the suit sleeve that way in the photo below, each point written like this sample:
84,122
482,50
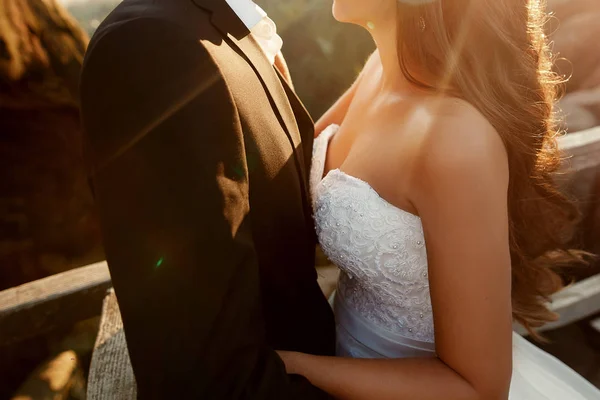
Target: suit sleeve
171,185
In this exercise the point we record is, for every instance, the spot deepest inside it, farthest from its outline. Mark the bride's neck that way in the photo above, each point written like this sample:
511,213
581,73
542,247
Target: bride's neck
385,37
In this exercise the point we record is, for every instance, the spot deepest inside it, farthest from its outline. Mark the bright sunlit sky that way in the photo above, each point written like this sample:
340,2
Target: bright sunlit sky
67,2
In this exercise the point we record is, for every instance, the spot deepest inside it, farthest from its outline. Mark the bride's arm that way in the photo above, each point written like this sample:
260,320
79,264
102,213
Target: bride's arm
283,69
461,195
336,113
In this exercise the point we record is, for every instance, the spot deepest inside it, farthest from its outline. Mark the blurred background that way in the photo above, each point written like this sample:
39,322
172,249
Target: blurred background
47,219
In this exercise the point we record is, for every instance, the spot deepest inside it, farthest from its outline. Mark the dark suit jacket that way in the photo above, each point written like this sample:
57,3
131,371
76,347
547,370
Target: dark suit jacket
200,154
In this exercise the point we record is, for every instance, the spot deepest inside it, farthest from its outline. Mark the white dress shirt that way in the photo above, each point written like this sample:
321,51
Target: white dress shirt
260,25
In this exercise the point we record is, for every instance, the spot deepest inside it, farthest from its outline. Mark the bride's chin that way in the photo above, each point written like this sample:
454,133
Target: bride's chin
335,12
338,12
340,15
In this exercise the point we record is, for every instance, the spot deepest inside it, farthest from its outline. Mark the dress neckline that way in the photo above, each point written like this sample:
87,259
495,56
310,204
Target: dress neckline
325,138
367,185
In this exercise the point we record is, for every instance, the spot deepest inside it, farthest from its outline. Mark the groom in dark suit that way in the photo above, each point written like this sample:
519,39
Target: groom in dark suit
199,151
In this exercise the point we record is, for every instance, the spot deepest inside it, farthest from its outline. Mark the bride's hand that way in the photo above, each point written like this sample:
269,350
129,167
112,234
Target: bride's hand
282,67
290,359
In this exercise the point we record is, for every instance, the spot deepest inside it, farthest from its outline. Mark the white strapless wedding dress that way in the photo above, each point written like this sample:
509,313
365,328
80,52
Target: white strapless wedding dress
382,303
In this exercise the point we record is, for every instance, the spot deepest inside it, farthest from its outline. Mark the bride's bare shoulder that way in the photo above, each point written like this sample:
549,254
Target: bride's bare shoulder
372,63
460,143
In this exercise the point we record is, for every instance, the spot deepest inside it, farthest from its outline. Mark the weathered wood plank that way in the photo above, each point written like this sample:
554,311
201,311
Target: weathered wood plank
576,302
111,375
581,164
573,303
583,149
56,301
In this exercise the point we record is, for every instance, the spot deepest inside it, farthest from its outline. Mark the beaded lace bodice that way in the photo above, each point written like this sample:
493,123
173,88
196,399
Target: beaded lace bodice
379,248
382,305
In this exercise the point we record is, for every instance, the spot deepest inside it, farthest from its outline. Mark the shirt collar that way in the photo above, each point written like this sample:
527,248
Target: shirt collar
249,12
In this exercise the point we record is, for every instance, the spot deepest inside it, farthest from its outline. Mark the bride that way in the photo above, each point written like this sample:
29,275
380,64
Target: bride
432,192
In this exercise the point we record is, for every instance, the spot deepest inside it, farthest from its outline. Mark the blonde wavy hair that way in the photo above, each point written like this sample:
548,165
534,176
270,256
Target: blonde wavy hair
494,54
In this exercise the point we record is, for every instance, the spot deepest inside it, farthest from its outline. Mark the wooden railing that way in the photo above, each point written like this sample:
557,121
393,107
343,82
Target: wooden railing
581,177
38,307
60,300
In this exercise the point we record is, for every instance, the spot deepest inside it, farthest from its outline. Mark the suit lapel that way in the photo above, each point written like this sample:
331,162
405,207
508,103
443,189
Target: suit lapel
293,97
306,125
274,88
238,36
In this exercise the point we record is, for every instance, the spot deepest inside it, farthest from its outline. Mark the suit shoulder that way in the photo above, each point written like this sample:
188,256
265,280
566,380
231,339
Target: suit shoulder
144,19
137,33
147,50
146,74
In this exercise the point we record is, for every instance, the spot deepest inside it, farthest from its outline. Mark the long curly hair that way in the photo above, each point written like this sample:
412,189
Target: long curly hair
495,55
